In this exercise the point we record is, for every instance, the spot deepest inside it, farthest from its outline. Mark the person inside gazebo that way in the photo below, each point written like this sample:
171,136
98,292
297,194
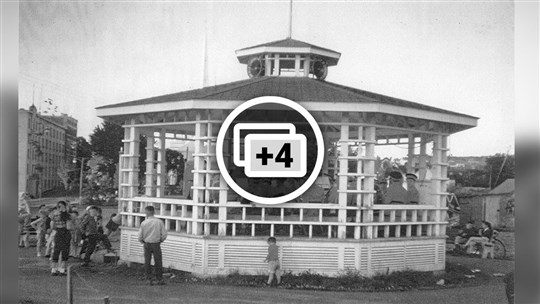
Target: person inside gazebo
395,194
413,196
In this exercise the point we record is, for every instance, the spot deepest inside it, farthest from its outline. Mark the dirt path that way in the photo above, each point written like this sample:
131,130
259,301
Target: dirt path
91,285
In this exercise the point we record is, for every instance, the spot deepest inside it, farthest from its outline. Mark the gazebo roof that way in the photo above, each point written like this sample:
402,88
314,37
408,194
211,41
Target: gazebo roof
299,89
288,45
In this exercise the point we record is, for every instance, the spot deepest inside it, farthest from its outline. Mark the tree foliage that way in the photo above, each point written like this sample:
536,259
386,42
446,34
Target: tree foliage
175,162
498,168
501,167
106,141
100,188
84,149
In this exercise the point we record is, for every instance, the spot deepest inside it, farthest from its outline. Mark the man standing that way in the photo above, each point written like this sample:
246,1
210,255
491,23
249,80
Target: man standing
151,234
413,196
395,194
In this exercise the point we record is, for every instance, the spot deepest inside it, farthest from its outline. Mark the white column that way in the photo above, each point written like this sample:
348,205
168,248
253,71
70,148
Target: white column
439,180
161,165
342,179
223,191
130,171
297,65
267,65
198,177
422,159
369,176
276,71
410,154
307,63
149,174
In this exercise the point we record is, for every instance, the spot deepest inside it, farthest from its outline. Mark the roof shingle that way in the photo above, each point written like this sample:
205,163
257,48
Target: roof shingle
295,88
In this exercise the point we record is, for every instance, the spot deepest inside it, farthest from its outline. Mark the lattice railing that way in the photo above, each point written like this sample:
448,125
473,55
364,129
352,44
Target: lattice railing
289,219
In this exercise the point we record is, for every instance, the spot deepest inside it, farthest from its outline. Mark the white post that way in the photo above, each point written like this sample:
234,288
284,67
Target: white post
307,63
369,184
131,162
342,180
410,154
267,65
423,159
222,211
161,163
198,178
297,65
149,174
276,71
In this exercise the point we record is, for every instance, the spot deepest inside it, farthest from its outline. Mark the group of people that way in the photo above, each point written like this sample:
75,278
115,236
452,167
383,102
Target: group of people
61,233
152,233
469,237
393,192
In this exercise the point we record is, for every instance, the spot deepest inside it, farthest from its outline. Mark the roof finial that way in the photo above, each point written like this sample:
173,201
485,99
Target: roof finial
290,19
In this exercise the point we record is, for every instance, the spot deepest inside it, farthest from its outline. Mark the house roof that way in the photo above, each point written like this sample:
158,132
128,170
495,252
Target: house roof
508,186
299,89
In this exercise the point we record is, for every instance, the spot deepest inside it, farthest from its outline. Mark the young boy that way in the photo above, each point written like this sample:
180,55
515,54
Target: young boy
75,234
49,248
24,224
90,227
273,261
40,225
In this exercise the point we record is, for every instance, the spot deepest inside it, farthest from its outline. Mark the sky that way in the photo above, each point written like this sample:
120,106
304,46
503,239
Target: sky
456,56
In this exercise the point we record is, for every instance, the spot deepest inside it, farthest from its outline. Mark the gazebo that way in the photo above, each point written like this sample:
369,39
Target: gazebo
211,232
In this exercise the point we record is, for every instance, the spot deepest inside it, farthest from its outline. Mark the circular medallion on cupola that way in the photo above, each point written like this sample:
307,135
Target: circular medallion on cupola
255,67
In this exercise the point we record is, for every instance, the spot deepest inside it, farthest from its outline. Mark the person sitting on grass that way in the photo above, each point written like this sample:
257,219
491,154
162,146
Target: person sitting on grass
464,235
484,236
273,261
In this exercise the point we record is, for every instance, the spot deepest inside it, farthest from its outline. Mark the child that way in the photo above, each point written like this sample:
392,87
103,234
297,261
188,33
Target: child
75,234
111,226
40,225
24,224
273,261
51,233
90,227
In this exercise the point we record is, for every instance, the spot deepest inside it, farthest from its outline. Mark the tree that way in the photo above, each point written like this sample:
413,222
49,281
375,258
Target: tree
500,167
100,188
84,149
106,141
175,162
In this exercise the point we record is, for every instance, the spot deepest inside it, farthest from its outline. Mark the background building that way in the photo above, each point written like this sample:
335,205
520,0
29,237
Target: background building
44,143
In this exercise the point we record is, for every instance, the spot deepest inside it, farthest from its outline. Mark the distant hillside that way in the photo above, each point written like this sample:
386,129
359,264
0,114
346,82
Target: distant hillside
467,162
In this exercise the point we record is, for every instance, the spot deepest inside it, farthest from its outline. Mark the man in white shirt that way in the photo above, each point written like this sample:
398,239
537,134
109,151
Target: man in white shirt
151,234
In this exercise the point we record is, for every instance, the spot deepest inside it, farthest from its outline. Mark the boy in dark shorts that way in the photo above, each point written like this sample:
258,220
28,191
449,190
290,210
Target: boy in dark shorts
273,261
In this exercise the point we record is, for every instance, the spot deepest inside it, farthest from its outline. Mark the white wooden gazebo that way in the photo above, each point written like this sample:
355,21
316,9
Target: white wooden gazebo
213,233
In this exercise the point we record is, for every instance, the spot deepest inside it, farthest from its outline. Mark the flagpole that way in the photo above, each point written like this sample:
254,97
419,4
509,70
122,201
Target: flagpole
290,19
